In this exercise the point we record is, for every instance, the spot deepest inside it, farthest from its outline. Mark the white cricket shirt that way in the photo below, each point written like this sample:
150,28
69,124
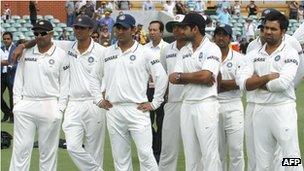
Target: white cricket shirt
206,57
125,75
285,61
81,66
168,59
228,70
43,76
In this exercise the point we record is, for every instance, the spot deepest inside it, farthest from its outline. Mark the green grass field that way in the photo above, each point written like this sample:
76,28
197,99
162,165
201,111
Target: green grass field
66,164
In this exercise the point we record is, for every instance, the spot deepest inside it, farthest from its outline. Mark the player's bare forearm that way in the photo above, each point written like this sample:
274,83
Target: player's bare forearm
256,81
200,77
4,63
227,85
19,49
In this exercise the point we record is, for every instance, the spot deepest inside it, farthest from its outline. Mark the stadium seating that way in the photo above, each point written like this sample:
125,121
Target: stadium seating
21,26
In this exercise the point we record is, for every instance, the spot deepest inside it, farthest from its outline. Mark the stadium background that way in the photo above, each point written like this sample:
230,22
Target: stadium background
56,8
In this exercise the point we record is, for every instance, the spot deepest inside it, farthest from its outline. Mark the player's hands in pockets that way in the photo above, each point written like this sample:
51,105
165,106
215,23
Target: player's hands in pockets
145,107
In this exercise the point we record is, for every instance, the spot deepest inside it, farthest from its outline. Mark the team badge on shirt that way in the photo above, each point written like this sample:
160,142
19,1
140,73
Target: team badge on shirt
277,58
229,64
90,59
200,57
132,57
51,61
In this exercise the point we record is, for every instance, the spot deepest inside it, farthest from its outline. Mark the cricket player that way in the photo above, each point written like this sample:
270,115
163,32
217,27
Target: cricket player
299,34
231,117
197,68
270,72
157,44
258,43
122,73
292,40
40,96
171,136
83,120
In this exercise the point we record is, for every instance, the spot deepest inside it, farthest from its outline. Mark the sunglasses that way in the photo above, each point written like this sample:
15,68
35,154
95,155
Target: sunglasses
44,33
95,37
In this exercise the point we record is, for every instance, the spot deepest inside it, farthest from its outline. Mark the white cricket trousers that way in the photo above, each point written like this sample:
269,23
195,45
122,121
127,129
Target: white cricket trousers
30,115
249,137
199,129
84,123
124,122
231,135
171,137
275,124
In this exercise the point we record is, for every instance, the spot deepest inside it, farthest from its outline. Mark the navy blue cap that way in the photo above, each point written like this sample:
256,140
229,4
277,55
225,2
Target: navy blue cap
224,28
43,25
126,20
264,14
268,11
194,18
84,21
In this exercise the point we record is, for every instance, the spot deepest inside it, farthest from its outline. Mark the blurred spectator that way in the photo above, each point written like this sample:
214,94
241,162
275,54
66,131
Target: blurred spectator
95,36
301,12
169,7
8,70
243,45
33,11
221,5
107,20
238,38
140,35
110,5
224,17
252,8
93,3
180,8
78,6
236,8
199,6
123,5
64,35
70,10
101,10
6,13
105,36
293,10
191,5
87,9
148,5
249,28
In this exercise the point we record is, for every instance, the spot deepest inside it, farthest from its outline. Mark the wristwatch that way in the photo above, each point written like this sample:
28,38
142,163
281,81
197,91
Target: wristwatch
178,77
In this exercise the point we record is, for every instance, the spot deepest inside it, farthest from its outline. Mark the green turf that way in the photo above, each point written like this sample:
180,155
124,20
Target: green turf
66,164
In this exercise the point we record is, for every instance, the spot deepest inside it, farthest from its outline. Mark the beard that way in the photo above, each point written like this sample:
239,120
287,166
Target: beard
189,38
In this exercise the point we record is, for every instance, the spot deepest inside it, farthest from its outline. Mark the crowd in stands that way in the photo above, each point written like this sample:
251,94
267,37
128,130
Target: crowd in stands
227,12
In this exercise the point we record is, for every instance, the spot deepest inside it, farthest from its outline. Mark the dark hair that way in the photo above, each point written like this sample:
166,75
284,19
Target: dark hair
201,29
8,33
161,25
95,32
281,18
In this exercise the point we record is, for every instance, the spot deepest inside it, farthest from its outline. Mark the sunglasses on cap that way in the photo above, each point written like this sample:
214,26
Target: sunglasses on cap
44,33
